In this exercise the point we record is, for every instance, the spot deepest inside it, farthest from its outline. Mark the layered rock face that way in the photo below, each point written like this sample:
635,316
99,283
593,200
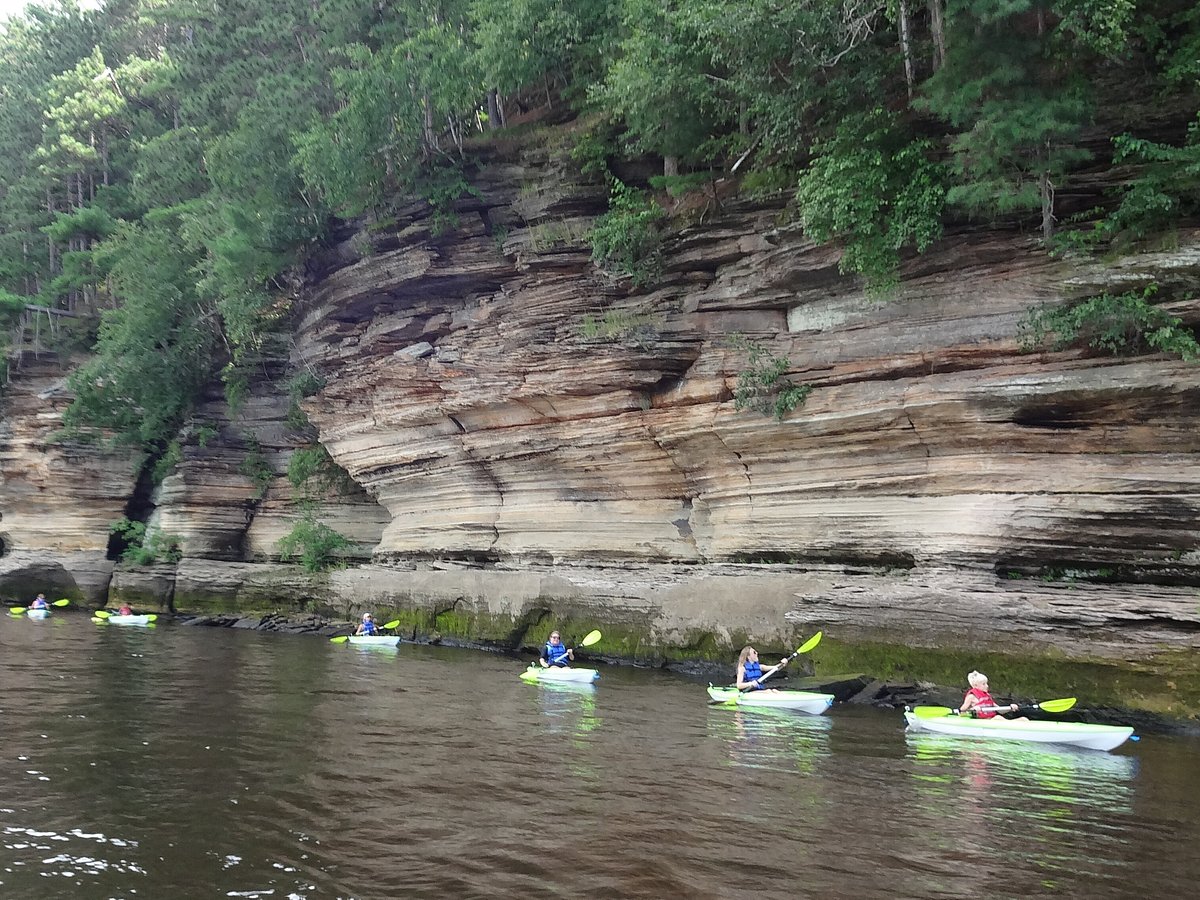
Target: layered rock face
536,439
510,405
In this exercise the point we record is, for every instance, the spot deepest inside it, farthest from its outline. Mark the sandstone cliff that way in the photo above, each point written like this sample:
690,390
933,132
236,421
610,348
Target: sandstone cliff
534,437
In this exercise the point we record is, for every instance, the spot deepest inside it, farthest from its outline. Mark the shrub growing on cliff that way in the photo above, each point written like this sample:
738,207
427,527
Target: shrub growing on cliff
626,238
761,385
313,543
1117,324
145,545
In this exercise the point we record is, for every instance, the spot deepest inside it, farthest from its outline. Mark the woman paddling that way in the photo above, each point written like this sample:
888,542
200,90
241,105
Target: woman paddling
749,671
978,703
367,626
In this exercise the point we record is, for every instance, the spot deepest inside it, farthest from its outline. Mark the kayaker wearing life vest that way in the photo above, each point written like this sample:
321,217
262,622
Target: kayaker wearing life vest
39,602
367,625
749,670
977,700
555,654
125,610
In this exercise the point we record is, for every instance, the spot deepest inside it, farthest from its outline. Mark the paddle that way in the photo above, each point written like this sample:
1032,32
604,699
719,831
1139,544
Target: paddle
21,610
590,638
387,626
803,648
938,712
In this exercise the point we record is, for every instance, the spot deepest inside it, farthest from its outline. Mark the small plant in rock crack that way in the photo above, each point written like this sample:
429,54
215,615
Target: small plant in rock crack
761,386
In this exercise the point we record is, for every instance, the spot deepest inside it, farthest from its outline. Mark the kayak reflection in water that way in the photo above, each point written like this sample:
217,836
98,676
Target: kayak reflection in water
749,671
555,654
978,703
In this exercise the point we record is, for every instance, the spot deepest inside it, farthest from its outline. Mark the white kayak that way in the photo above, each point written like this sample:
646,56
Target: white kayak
37,613
1074,734
130,620
559,673
375,640
801,701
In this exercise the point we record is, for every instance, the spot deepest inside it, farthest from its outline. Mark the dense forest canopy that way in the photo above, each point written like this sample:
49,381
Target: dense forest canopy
166,165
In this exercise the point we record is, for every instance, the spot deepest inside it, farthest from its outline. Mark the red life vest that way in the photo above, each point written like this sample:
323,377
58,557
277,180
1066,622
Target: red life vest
985,699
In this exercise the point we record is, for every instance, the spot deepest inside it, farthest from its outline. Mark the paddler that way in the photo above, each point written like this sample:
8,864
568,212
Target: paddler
367,625
554,654
749,671
978,703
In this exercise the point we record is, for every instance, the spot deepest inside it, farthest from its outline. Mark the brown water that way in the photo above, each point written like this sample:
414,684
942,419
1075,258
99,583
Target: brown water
197,763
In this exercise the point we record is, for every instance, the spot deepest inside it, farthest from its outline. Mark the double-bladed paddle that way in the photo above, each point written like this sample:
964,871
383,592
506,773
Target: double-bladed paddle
803,648
938,712
21,610
387,626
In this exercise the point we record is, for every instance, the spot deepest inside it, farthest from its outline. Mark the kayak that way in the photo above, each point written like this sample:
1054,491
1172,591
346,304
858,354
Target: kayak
376,640
128,620
559,673
800,701
37,613
1074,734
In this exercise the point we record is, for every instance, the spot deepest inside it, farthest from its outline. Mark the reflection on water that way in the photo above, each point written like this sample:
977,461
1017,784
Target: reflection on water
776,739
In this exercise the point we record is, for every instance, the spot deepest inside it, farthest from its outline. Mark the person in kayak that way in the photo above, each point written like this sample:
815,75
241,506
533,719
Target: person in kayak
39,602
977,701
125,610
367,625
749,670
554,654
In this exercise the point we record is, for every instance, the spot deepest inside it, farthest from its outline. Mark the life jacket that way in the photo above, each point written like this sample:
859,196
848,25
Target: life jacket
125,611
985,699
556,655
39,604
368,627
753,670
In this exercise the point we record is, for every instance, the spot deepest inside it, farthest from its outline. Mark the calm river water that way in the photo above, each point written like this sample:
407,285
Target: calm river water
196,763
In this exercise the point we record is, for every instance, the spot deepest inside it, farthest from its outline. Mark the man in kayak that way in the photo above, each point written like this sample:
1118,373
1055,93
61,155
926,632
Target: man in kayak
749,670
978,703
555,654
367,626
39,602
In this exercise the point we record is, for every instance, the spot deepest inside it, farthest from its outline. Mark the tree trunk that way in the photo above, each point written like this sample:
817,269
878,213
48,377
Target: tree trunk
670,166
905,45
493,107
1047,189
938,30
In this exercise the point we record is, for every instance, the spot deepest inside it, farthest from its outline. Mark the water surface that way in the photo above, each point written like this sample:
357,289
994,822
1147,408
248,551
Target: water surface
192,763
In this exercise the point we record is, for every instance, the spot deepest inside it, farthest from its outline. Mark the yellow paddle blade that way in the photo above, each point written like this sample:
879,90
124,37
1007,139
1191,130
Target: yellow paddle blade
339,640
932,712
809,644
590,638
63,602
102,613
395,623
1057,706
153,617
17,610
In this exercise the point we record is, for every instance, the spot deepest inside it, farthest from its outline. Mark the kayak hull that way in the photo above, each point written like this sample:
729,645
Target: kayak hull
375,640
37,613
798,701
560,674
1072,734
130,620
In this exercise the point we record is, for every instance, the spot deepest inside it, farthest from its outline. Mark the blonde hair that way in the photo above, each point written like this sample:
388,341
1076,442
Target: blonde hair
745,654
975,679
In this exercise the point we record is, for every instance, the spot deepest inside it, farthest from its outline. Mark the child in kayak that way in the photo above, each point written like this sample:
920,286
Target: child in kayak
39,602
367,626
125,610
554,654
978,703
749,670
